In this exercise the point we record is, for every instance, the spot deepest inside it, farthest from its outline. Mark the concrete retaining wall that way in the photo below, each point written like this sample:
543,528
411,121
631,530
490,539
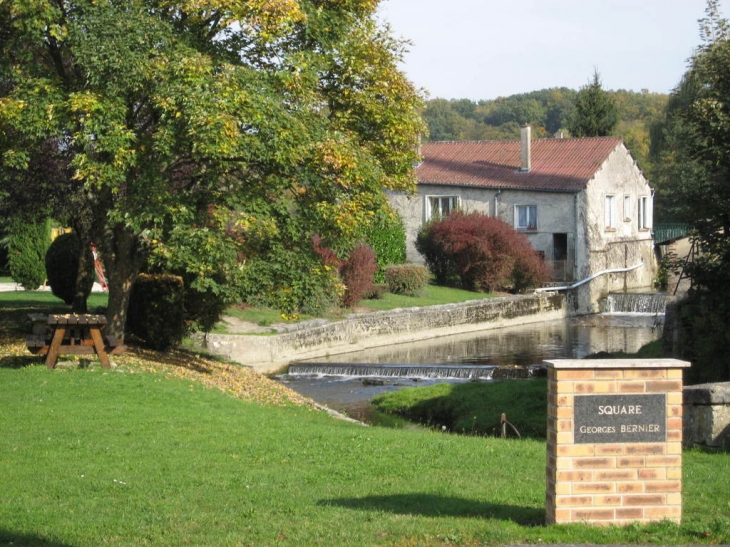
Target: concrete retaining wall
362,331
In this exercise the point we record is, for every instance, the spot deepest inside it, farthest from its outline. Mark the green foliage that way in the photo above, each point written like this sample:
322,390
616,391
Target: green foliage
406,279
386,235
473,408
357,274
27,247
485,253
291,117
291,282
62,267
156,311
547,111
595,114
692,186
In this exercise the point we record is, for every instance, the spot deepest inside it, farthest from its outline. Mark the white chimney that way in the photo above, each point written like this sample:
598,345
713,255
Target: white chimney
525,149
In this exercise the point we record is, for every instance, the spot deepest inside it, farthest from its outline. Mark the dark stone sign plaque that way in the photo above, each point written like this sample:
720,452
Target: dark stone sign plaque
620,418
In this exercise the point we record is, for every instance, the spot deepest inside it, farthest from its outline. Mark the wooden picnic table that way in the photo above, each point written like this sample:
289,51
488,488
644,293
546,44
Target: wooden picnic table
71,334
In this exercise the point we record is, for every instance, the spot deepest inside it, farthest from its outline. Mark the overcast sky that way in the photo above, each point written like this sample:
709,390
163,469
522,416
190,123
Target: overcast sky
484,49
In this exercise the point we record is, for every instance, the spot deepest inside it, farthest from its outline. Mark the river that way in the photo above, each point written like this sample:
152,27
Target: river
525,346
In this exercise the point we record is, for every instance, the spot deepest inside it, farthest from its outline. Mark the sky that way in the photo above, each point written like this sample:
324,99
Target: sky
484,49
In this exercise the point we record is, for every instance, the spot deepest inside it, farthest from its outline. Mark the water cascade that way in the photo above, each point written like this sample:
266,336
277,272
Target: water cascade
468,372
626,302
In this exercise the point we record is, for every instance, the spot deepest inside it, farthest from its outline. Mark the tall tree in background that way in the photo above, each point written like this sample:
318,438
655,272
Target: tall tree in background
207,134
693,183
595,113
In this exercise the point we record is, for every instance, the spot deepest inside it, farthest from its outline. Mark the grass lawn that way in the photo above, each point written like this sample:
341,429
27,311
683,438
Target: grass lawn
176,449
432,296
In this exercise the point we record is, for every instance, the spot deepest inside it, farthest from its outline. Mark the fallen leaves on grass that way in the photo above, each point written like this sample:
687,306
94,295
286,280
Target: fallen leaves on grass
236,380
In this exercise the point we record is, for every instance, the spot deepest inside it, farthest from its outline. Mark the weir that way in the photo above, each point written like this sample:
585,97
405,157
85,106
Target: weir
639,303
462,372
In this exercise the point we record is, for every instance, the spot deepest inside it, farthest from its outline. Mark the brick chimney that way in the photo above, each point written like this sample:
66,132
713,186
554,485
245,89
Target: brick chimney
525,149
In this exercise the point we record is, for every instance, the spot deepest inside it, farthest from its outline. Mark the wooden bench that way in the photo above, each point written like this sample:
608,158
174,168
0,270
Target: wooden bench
71,334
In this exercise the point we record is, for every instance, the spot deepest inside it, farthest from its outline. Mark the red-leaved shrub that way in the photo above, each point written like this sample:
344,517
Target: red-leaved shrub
357,273
484,252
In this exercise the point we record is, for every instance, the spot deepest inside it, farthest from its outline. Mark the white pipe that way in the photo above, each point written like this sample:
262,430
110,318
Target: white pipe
587,279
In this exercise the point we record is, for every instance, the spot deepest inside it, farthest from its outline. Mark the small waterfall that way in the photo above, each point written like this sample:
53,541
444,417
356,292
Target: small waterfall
465,372
625,302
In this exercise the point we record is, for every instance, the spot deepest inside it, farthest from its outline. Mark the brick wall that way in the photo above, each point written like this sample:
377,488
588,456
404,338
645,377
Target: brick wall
621,481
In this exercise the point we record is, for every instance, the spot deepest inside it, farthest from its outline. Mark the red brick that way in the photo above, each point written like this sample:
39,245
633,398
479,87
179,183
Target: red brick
662,512
654,473
662,386
575,375
594,463
663,461
623,475
609,449
574,476
645,449
630,387
607,500
645,373
576,450
644,499
629,512
663,486
593,488
630,487
593,514
573,501
635,461
609,374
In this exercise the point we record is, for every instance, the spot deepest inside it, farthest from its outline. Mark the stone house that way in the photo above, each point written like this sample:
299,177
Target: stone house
584,204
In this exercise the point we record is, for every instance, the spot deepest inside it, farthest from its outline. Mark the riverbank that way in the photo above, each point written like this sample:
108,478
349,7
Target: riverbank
309,339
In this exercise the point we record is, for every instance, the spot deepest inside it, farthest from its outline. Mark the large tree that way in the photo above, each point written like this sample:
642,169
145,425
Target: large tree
207,132
595,113
693,185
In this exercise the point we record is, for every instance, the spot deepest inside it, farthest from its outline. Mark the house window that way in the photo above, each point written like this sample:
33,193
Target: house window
627,208
526,217
644,213
610,213
442,206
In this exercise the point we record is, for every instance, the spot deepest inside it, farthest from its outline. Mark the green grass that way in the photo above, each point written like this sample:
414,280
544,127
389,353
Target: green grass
92,457
433,295
120,457
473,408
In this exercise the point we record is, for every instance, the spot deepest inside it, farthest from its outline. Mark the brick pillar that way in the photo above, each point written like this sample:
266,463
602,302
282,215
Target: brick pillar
614,447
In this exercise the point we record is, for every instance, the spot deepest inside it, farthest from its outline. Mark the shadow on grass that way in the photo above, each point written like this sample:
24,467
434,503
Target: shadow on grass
432,505
20,361
14,539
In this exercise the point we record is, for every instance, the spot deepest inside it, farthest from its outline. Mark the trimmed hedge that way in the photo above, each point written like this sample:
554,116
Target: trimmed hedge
62,267
157,310
406,279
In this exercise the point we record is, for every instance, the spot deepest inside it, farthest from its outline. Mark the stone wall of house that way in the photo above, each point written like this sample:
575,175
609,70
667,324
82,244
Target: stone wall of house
362,331
600,248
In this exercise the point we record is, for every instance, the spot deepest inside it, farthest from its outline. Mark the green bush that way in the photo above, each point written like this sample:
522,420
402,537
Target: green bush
291,282
387,237
406,279
62,267
26,252
156,310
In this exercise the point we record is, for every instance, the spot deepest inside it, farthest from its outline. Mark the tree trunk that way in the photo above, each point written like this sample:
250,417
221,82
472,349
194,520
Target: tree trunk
123,260
85,275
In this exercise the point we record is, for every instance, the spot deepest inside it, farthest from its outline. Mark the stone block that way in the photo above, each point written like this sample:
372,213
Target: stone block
706,412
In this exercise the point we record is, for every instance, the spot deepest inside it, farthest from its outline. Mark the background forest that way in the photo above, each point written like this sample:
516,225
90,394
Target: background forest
548,111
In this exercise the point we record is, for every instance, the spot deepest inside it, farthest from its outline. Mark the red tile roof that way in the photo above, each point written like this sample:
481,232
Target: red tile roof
559,165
